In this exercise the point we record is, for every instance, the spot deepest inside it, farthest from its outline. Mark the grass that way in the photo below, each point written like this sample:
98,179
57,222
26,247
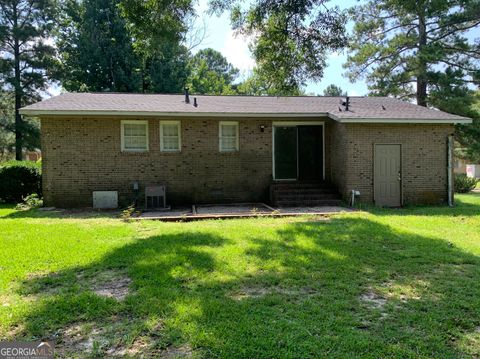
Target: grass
387,283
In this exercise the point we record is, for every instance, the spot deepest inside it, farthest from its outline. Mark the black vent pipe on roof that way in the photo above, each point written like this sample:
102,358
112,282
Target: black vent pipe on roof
347,103
187,97
195,102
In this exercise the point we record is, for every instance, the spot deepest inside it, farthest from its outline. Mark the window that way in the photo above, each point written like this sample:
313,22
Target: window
135,136
170,136
228,135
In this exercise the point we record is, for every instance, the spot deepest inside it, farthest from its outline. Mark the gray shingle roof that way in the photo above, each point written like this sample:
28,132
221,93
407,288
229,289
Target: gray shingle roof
361,108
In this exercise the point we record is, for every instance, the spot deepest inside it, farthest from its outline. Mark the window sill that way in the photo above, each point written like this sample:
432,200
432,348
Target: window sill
134,152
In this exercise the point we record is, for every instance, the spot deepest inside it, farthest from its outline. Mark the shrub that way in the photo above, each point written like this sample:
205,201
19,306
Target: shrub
18,179
464,184
30,202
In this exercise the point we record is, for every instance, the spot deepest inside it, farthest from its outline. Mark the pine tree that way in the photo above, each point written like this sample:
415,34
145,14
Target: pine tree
406,48
27,60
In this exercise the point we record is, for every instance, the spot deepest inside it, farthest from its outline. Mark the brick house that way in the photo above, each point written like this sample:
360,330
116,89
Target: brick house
213,149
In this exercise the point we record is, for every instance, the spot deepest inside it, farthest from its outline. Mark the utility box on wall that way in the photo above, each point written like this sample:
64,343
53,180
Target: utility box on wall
473,171
105,199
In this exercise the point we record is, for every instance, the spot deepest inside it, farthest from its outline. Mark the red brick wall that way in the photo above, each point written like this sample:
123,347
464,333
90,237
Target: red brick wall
424,159
81,155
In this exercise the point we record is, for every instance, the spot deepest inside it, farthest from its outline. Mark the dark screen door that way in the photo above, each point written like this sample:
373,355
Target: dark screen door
285,152
310,152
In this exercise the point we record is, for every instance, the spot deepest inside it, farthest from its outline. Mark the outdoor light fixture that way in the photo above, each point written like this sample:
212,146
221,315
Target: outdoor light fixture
262,128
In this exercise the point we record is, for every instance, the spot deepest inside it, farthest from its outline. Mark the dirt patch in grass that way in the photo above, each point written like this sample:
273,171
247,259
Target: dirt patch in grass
111,284
373,300
84,338
111,339
173,351
140,346
13,332
114,289
260,292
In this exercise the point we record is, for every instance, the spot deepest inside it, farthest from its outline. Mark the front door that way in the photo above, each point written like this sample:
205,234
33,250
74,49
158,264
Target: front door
298,152
387,175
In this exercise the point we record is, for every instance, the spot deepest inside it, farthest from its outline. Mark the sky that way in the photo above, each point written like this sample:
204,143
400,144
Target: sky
220,37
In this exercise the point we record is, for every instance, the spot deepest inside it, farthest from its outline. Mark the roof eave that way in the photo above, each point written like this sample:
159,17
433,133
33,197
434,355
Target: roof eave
46,113
54,113
404,120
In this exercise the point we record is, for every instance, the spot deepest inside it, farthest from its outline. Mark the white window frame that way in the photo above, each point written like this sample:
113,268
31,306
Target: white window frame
179,124
122,134
235,123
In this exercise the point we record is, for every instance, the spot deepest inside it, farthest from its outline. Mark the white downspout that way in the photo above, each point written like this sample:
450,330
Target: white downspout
450,170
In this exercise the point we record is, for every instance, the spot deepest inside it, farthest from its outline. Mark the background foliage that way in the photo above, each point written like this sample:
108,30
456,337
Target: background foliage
427,51
19,179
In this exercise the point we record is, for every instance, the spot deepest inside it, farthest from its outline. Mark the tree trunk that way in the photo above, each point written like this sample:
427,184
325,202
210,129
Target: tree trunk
18,91
422,64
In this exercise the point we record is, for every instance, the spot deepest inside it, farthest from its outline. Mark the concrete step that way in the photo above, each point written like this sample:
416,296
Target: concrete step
294,194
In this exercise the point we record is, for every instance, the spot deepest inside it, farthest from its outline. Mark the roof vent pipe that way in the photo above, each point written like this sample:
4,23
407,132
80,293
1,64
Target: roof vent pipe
187,97
347,103
195,102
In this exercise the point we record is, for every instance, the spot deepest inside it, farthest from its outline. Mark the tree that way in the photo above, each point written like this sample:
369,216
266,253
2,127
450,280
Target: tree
96,50
405,47
290,38
155,23
31,129
165,70
458,99
7,123
99,54
334,90
259,84
26,56
211,73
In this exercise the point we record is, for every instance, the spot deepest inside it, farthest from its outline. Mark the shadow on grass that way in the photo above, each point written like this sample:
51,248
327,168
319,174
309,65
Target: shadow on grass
344,288
465,205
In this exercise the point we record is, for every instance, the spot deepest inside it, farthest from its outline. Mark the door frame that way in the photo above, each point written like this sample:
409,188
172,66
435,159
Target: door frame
401,168
296,124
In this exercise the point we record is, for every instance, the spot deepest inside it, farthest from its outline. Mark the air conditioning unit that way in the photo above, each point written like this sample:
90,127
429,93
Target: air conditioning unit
155,198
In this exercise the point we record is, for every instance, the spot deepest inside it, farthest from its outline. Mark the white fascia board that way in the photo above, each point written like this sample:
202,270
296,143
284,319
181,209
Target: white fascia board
40,113
53,113
404,120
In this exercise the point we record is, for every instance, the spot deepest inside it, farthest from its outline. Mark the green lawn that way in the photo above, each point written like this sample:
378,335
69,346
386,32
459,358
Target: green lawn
389,283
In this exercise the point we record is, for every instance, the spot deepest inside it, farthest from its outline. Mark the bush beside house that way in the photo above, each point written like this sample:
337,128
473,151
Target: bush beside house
464,184
19,179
